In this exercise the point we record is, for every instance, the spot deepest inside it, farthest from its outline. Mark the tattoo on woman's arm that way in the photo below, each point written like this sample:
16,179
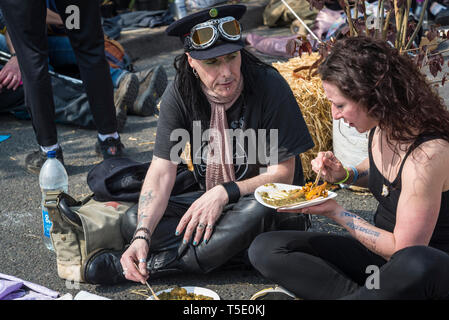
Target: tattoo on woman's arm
350,215
363,229
358,227
365,234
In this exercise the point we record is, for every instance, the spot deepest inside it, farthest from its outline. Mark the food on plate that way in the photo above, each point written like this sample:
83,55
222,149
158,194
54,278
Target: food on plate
283,197
315,192
178,293
270,185
280,198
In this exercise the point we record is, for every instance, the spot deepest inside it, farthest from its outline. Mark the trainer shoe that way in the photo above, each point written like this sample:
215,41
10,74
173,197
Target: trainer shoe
276,293
109,148
152,84
35,160
124,97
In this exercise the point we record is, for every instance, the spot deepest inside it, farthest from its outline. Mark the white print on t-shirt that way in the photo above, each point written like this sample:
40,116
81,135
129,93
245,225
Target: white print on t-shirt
256,140
239,157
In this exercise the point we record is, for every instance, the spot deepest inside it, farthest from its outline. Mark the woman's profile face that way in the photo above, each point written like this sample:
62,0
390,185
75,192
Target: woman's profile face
350,111
221,74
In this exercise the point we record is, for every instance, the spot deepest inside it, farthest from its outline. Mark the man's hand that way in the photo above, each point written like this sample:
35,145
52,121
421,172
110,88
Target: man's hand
202,215
136,253
10,76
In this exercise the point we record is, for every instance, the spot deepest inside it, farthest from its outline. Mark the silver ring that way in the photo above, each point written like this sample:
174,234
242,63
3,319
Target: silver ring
200,226
142,260
210,226
124,271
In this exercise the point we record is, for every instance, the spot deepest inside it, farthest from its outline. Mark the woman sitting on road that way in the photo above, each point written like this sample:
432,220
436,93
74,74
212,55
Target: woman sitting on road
404,255
221,87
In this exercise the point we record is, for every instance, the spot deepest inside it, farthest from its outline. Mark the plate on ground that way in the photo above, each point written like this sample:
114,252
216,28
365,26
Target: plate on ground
277,188
195,290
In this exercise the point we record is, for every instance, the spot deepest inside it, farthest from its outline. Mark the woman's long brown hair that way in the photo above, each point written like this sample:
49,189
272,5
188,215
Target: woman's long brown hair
389,85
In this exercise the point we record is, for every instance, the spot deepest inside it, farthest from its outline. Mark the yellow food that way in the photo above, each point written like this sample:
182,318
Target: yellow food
281,198
315,192
178,293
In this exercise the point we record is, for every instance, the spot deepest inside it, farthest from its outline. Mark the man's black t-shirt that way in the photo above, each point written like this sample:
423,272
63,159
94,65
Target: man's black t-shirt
267,128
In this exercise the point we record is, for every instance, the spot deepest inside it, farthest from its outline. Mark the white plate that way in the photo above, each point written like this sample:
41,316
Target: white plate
273,187
195,290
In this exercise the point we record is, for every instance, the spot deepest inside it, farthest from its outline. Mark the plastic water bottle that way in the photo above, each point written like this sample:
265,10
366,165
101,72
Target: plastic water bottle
52,176
181,10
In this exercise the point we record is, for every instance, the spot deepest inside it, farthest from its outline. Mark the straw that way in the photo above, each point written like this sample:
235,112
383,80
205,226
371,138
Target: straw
313,103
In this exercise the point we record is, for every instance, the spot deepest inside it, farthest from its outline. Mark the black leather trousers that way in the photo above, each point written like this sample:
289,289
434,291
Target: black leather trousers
233,233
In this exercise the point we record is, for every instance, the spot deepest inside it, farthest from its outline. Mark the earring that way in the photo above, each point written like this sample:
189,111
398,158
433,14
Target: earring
195,73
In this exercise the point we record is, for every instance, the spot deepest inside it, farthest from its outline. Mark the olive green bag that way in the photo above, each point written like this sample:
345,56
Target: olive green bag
81,227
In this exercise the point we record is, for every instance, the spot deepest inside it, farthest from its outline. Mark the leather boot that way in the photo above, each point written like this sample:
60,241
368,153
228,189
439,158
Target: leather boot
103,267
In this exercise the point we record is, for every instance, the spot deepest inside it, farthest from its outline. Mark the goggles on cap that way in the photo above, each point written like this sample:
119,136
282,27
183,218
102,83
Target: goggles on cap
204,35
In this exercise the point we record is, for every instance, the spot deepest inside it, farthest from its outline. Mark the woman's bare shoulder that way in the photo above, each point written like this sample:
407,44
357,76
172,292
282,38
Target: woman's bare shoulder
429,160
433,150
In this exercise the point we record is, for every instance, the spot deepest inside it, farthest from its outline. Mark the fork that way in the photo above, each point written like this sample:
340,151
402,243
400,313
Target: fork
318,176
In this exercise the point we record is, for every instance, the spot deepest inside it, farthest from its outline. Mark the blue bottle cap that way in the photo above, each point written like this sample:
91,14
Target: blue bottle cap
51,154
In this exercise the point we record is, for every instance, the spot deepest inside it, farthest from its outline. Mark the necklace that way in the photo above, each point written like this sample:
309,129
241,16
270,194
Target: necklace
385,189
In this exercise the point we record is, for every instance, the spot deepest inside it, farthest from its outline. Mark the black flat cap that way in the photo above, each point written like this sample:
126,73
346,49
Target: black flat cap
181,28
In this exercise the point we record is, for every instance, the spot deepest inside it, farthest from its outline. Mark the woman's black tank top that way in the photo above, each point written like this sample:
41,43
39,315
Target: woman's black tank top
385,216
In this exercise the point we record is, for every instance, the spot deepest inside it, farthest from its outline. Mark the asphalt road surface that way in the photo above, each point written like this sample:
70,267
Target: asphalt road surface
22,252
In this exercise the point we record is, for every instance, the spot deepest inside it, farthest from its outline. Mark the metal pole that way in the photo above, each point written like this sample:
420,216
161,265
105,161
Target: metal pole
302,22
4,56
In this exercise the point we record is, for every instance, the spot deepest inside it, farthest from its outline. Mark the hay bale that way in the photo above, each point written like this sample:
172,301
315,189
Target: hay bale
313,103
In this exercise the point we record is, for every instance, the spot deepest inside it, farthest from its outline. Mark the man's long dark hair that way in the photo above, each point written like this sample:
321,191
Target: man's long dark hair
188,85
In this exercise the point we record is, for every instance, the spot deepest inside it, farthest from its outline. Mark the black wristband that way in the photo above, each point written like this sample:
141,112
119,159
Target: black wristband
13,55
141,237
146,230
233,191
